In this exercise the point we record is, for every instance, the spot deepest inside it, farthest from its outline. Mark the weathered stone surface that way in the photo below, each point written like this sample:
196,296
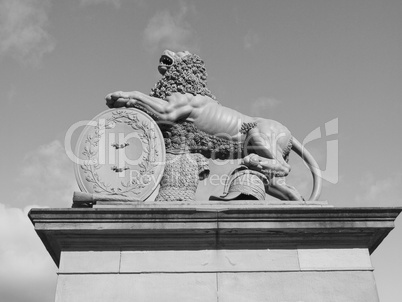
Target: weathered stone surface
214,261
89,262
334,259
348,286
189,254
200,229
213,204
136,287
209,261
217,275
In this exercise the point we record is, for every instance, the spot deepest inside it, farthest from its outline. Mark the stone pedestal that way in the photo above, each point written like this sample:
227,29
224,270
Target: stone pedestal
199,253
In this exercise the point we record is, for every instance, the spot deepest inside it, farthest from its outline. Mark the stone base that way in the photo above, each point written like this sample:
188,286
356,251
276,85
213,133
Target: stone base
161,254
217,275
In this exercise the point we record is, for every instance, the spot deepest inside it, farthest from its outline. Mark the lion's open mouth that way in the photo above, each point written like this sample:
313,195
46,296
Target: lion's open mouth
164,64
165,60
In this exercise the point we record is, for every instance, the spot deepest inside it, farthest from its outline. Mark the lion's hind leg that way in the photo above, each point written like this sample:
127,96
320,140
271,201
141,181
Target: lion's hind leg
267,158
269,167
266,152
280,189
277,186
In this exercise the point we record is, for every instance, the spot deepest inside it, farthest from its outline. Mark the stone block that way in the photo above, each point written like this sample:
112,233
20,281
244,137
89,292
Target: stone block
346,286
136,287
89,262
209,261
334,259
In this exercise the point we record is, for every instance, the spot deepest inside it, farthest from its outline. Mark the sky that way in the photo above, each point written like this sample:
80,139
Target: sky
329,70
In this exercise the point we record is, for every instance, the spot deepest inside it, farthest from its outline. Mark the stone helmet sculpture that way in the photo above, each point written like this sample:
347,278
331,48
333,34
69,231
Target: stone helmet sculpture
243,184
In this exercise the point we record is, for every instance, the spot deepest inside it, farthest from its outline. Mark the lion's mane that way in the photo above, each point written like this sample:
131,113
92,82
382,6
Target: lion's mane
189,75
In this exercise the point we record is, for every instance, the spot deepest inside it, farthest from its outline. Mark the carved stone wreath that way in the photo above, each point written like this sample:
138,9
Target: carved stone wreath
150,154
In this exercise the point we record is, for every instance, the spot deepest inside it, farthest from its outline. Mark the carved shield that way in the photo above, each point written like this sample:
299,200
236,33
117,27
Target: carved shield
121,153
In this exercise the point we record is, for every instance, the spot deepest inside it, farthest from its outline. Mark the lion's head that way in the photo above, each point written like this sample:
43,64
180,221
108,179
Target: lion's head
181,72
169,58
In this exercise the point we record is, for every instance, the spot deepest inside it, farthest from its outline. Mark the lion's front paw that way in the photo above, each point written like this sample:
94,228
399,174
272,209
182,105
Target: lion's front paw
117,99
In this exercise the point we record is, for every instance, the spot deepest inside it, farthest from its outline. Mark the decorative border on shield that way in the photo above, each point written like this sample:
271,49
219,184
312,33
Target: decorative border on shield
150,157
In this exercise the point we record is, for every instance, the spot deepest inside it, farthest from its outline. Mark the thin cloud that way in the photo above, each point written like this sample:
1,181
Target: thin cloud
165,30
23,30
263,105
11,94
27,271
251,40
48,177
377,190
115,3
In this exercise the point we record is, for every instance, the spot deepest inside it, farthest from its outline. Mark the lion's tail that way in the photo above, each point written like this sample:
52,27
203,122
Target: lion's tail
312,164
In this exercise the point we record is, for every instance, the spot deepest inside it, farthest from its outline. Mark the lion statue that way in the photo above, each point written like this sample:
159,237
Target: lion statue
191,119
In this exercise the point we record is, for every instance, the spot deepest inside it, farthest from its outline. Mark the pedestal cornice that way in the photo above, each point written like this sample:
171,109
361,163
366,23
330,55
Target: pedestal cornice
192,228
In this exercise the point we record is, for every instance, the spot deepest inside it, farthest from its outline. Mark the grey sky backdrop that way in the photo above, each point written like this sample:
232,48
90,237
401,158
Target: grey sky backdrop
302,62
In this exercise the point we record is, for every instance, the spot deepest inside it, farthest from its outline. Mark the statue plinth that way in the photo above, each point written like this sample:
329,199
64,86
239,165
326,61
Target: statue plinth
255,253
